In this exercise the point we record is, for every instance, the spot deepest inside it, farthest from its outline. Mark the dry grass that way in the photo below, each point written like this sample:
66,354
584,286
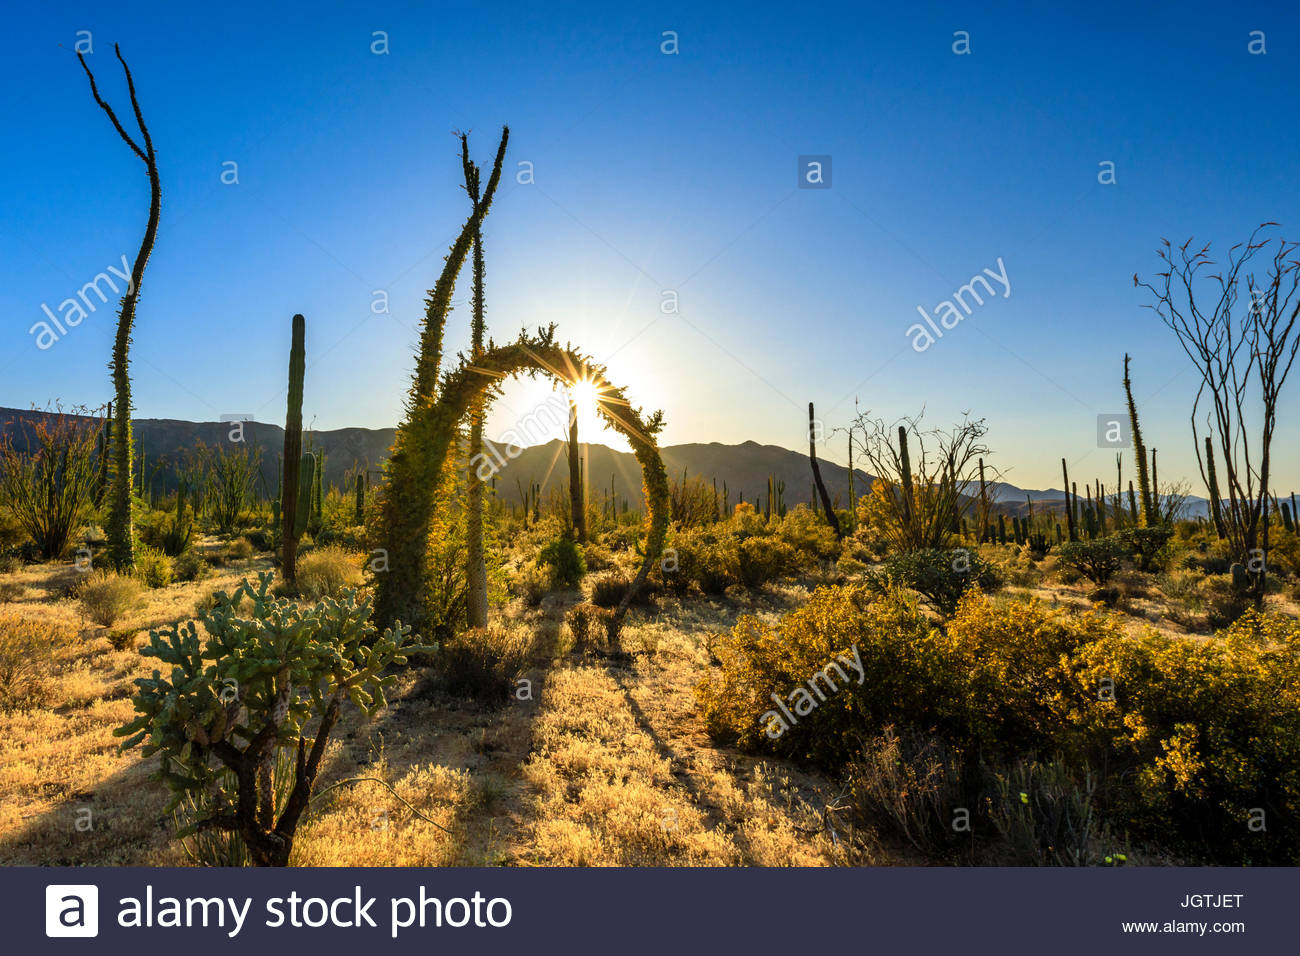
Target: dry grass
106,596
324,572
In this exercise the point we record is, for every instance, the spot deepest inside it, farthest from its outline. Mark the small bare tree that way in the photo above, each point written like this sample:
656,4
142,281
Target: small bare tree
48,479
1243,352
925,478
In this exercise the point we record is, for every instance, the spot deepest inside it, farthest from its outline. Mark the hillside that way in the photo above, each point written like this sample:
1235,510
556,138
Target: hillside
743,468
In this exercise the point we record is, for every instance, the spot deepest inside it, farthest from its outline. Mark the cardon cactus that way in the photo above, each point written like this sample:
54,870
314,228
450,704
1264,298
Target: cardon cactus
291,519
306,485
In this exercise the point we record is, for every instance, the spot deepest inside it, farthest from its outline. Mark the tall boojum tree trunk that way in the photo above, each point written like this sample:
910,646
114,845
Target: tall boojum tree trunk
407,508
475,558
577,500
118,524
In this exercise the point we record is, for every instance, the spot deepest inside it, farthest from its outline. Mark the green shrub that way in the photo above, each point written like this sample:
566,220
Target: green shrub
106,595
326,572
940,576
153,568
1044,817
190,566
563,558
239,550
1096,558
261,539
1145,544
762,560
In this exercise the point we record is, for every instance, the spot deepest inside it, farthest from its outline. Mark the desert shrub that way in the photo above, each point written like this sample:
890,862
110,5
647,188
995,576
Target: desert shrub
1208,731
717,566
153,568
532,583
11,591
1181,586
1145,544
589,627
759,661
1207,563
1225,602
483,663
910,787
761,560
106,595
190,566
12,533
597,556
121,638
1097,558
809,534
325,572
261,539
230,470
608,589
1107,595
1199,740
1043,816
48,473
1284,551
563,558
26,655
239,549
940,576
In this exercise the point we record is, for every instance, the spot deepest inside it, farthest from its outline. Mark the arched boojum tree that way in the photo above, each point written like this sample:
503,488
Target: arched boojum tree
400,590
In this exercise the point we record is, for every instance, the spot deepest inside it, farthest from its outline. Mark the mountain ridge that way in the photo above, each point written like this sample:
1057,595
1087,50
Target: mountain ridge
742,468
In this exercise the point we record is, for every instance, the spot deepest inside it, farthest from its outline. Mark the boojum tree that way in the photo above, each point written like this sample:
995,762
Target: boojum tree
476,564
400,589
117,526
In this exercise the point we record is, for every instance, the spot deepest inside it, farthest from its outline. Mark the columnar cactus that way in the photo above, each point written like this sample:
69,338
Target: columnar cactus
1146,516
1216,499
291,524
1069,510
908,500
306,484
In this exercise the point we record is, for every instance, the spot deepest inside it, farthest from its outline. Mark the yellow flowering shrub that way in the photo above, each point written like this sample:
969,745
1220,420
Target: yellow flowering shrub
1196,743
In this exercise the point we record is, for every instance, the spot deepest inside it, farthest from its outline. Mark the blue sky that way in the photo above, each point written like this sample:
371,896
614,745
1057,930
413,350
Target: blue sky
653,172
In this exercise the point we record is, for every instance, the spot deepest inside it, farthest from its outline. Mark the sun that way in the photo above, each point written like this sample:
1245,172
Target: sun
586,395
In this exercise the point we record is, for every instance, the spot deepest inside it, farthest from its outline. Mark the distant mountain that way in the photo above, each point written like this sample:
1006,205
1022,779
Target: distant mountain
743,469
164,442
